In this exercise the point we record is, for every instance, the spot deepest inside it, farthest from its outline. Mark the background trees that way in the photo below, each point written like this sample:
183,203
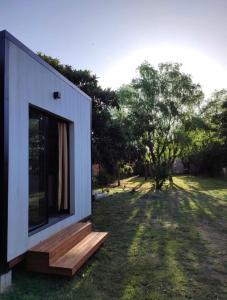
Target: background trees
162,115
105,130
208,148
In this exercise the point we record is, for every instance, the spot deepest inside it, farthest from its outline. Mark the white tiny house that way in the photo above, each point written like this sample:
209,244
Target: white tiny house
45,157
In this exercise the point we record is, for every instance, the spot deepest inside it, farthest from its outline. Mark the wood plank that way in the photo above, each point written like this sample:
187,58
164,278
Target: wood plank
66,251
17,260
73,259
78,255
51,242
58,244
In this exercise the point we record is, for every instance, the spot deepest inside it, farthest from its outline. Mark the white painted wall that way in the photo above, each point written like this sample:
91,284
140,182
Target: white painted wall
32,83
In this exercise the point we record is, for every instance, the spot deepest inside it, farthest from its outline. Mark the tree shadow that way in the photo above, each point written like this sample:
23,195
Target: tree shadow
166,254
155,250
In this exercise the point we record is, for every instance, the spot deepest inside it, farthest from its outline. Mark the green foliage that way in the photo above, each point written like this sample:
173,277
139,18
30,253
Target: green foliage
107,136
102,179
126,171
160,105
208,147
160,116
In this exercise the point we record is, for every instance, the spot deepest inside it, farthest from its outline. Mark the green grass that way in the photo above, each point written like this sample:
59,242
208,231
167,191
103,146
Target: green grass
162,245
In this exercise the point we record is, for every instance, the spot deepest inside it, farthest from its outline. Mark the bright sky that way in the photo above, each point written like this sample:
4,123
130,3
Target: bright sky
111,38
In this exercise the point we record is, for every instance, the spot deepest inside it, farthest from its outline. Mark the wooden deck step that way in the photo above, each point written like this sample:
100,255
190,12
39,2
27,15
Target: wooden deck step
66,251
58,244
68,264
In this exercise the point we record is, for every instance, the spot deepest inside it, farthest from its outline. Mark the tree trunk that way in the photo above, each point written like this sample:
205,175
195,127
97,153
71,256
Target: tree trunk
158,184
118,176
145,172
171,180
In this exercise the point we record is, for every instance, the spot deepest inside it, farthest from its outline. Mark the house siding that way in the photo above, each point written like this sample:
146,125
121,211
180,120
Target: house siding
4,119
32,83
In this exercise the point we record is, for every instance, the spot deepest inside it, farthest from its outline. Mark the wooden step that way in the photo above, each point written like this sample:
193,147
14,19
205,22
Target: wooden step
68,264
57,245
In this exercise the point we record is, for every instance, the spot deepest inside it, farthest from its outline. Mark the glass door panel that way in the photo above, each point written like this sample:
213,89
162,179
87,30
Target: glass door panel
37,170
48,166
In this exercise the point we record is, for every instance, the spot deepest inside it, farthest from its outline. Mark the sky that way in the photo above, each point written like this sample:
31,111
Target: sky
113,37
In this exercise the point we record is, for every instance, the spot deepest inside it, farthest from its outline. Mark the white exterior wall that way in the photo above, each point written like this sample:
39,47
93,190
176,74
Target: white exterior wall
30,82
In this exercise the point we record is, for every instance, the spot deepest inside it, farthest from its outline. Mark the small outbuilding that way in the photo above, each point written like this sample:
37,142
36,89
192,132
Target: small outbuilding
45,166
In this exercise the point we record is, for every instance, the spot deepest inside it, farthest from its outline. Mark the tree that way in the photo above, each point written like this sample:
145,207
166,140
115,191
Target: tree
208,148
160,104
103,100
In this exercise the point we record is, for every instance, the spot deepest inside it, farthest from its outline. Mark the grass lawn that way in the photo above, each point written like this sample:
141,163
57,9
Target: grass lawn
162,245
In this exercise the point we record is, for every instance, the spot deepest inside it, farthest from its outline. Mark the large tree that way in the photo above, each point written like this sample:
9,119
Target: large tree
161,104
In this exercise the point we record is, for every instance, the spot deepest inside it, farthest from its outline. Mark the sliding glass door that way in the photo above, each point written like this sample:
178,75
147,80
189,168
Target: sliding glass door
37,170
48,168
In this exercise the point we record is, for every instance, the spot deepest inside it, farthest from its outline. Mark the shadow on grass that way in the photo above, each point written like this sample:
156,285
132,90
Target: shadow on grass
155,250
160,248
199,183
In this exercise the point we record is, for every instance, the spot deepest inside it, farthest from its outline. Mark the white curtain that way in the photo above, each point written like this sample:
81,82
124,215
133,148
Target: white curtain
63,163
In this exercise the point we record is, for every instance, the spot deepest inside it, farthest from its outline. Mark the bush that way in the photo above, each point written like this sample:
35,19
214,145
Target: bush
126,171
102,180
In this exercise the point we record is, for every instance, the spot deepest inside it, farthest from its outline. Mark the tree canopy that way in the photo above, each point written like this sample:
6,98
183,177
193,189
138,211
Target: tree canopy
161,104
160,116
